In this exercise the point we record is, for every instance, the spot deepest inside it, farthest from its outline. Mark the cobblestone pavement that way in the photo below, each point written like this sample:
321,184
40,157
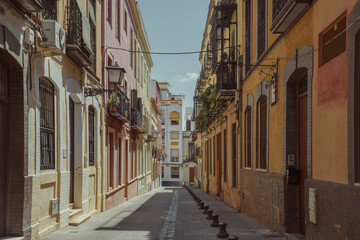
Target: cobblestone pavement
166,213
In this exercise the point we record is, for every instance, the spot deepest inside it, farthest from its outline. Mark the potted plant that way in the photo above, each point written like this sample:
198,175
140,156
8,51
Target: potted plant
113,102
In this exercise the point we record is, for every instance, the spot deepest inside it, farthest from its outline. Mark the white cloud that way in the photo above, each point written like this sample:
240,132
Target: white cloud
188,77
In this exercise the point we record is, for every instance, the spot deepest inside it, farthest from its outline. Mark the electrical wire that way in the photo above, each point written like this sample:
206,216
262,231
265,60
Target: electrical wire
209,51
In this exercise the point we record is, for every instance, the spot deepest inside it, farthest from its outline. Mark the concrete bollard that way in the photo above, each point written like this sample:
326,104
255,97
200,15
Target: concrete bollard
233,238
206,207
201,205
222,231
209,216
215,220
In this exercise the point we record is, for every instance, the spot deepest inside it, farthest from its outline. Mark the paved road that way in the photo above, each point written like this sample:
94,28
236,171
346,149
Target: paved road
166,213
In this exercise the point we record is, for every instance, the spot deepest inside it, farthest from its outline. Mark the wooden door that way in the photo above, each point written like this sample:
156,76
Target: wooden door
3,163
302,145
192,175
72,149
126,167
218,163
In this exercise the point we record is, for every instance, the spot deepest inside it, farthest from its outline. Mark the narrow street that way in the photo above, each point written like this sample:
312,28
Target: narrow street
166,213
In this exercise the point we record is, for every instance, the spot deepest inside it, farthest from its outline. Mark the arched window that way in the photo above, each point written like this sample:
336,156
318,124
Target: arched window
91,135
174,118
261,133
47,124
247,138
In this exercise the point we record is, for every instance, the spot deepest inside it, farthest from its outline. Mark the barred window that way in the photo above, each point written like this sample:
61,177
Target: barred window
47,124
175,172
91,136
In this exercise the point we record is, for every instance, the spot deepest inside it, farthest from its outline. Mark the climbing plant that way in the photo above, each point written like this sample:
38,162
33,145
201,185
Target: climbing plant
210,109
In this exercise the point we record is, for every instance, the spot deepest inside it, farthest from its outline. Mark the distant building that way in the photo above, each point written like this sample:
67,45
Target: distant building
189,163
173,111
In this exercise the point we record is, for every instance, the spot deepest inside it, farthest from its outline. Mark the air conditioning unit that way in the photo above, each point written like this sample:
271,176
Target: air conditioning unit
55,35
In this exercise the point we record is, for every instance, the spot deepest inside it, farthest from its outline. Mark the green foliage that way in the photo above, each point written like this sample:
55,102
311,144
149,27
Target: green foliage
210,110
113,100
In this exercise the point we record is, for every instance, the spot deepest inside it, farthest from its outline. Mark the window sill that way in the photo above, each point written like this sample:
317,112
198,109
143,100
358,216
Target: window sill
357,184
247,168
261,170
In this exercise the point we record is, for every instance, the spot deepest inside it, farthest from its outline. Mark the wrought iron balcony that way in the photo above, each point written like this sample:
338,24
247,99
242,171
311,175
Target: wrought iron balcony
285,13
29,5
121,110
75,46
49,9
174,159
226,82
136,119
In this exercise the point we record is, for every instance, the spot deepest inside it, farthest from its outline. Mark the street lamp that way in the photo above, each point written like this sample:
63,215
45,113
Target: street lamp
115,76
153,136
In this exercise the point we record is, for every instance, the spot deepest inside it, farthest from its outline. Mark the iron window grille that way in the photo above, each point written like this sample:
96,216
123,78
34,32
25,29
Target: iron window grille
247,35
93,46
47,124
91,136
261,28
49,9
74,24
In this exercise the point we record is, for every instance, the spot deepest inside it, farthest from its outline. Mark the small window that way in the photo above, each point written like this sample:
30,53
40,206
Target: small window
188,125
261,133
131,49
175,173
174,134
174,155
125,21
118,29
333,41
174,118
162,172
109,11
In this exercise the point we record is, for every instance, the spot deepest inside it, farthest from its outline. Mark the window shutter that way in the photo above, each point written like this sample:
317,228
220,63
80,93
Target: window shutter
134,98
85,28
263,118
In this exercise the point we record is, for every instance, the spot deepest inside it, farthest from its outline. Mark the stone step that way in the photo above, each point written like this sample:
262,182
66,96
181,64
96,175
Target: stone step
294,236
79,220
74,213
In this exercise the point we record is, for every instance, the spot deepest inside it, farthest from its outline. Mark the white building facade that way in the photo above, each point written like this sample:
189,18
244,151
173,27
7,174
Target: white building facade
173,111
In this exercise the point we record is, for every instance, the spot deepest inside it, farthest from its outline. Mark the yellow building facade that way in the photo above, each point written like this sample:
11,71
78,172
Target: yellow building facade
294,111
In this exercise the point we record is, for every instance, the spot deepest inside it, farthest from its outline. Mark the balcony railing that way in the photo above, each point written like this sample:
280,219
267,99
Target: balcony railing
74,38
136,119
122,109
285,13
174,159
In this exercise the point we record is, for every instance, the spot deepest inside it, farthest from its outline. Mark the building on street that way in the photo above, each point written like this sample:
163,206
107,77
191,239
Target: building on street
173,111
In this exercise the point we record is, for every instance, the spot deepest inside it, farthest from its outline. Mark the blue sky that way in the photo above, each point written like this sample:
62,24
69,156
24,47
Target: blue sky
173,26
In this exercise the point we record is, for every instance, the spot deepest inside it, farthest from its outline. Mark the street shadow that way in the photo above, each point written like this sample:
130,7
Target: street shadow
149,217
